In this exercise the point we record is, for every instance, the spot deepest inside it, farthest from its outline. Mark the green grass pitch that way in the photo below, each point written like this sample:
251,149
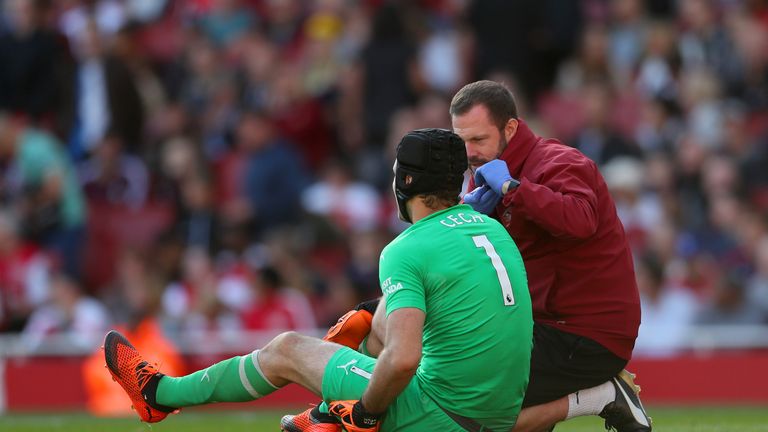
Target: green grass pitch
707,419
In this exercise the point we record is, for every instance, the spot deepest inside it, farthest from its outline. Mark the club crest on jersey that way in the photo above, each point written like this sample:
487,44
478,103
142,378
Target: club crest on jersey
507,217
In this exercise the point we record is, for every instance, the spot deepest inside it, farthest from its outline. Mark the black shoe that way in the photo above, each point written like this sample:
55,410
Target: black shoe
626,412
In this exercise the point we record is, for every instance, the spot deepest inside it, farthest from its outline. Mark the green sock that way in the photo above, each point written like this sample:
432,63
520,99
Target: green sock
238,379
323,407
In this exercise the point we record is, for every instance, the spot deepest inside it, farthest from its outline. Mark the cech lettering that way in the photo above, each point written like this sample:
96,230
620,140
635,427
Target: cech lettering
452,221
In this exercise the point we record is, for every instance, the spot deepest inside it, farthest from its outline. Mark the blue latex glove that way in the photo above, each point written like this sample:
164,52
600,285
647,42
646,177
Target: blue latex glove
494,174
482,199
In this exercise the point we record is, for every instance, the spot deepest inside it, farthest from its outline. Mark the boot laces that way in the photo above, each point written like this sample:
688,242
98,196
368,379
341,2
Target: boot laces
144,371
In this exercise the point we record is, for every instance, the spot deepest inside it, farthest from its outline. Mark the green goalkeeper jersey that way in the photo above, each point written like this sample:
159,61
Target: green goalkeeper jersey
464,271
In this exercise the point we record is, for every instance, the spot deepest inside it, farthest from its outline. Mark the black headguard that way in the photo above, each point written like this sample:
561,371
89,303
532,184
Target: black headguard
428,161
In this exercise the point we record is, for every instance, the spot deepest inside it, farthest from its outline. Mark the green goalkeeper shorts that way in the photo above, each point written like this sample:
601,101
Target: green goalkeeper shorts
346,377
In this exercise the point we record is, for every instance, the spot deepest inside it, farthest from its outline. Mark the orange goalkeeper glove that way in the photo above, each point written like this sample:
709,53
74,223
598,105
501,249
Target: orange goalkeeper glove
354,417
354,326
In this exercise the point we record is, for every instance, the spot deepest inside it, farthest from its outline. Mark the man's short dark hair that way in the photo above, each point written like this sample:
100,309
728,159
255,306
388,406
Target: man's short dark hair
493,95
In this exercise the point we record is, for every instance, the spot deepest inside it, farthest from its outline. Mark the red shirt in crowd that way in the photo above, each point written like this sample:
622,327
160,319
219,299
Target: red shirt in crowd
563,219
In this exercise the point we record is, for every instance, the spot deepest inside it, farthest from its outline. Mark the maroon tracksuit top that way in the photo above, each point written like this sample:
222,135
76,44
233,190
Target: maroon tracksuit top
563,220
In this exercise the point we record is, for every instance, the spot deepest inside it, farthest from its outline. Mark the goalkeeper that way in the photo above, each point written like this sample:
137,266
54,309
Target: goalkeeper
455,302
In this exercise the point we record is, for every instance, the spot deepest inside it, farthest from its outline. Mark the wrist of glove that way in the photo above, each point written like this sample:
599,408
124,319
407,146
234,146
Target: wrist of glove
354,417
509,185
350,329
369,306
496,175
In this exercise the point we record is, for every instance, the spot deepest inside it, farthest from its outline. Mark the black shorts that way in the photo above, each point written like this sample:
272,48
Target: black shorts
562,363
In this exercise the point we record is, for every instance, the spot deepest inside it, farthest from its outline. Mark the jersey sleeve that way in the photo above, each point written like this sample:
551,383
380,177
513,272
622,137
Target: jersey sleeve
401,282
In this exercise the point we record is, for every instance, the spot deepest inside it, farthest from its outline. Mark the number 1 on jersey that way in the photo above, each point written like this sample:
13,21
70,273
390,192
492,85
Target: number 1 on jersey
482,241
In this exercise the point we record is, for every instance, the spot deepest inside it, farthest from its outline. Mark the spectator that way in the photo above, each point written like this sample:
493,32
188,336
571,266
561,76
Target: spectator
389,70
288,251
706,44
590,64
197,74
32,58
179,159
638,211
431,111
495,22
362,270
51,201
627,35
259,59
192,304
667,310
660,125
109,16
226,21
757,285
80,321
24,275
199,222
234,262
660,183
274,176
298,116
134,295
729,304
167,253
750,38
277,307
598,139
324,58
660,64
720,237
443,53
700,94
105,98
114,177
689,159
754,176
126,47
347,204
286,18
174,121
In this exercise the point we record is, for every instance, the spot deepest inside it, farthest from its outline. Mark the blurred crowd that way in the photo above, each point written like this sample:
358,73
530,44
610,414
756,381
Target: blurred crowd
226,164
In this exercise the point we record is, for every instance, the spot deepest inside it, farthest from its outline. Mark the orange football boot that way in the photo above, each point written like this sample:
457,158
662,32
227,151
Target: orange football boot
136,376
308,422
